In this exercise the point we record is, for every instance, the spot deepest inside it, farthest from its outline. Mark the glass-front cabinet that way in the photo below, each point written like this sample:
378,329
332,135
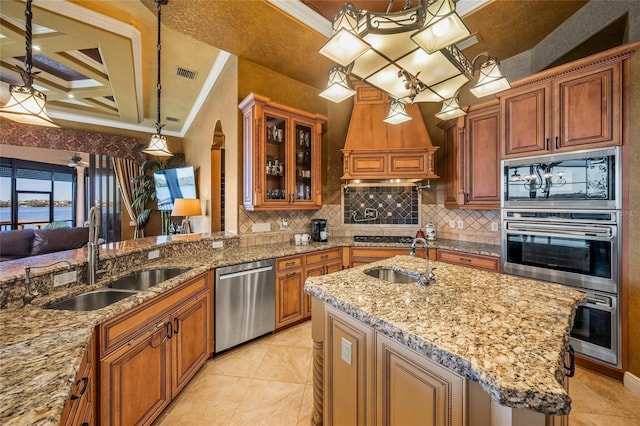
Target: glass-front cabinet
282,161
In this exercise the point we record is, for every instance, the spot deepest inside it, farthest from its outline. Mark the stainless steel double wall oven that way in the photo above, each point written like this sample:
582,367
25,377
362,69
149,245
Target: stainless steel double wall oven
561,222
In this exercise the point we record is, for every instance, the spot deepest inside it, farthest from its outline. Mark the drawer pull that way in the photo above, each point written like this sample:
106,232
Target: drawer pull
466,259
290,263
85,384
324,256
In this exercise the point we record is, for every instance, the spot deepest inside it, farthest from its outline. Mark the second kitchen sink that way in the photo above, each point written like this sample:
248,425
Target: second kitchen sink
143,280
393,275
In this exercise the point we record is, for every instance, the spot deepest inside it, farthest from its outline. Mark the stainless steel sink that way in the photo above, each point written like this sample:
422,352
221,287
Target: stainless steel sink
92,300
393,275
142,280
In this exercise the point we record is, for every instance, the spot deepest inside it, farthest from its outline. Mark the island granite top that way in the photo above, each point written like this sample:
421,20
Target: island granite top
507,333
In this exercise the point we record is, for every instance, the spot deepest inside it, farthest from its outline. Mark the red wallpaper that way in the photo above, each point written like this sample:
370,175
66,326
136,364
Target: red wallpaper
71,140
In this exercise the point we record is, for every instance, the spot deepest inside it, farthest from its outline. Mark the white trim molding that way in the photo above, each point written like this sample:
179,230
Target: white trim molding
631,382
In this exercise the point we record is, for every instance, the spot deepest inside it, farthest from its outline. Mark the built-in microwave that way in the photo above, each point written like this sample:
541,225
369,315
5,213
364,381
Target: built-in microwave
576,180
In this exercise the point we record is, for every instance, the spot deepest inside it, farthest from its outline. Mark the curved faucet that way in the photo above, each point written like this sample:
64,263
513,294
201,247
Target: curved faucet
28,295
427,277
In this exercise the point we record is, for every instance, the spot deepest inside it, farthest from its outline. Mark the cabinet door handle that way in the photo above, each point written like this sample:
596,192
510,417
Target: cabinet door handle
546,144
169,330
557,142
176,325
85,383
291,274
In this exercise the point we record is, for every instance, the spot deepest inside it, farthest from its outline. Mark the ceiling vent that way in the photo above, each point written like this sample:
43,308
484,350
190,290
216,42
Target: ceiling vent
183,72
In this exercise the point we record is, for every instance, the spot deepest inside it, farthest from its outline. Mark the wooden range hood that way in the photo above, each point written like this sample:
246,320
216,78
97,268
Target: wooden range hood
375,150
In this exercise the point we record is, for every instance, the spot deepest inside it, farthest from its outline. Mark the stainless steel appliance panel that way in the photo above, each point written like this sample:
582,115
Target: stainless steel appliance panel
595,331
244,303
576,180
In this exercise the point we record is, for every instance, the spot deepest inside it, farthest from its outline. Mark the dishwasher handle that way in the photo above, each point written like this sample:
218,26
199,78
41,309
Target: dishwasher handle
243,273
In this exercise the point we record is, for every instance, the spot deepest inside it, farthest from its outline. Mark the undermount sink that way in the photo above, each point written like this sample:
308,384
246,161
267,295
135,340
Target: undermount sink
393,275
92,300
142,280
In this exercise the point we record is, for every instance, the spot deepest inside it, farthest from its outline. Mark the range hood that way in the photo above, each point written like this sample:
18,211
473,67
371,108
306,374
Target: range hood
377,151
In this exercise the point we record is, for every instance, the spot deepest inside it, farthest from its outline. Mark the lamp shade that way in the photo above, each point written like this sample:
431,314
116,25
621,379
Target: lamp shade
490,81
450,109
442,28
27,106
158,146
344,47
397,113
186,207
338,87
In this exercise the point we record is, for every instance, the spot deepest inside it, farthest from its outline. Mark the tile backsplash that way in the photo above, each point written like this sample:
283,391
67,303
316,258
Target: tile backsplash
405,219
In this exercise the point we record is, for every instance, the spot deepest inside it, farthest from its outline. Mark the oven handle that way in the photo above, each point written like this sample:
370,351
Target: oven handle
583,231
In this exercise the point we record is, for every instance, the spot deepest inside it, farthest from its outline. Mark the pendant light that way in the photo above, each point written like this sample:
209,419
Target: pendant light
158,143
26,104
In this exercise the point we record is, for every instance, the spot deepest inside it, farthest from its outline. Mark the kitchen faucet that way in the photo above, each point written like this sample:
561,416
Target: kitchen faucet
28,295
93,253
427,277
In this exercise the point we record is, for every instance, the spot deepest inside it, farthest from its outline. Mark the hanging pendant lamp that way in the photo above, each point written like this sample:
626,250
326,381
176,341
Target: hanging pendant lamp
158,142
26,104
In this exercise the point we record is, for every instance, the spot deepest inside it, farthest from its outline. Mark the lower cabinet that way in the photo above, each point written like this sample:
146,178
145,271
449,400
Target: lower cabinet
292,305
363,255
150,353
81,405
478,261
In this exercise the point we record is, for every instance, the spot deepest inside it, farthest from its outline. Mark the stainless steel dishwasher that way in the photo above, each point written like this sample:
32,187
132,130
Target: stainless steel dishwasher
245,306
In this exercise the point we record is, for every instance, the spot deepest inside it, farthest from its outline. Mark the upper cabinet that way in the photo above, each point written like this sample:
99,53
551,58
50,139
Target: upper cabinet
473,156
281,150
571,107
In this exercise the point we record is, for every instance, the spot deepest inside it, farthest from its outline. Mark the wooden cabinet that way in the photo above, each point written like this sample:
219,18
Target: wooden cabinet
362,255
289,290
167,338
577,107
488,263
411,388
81,404
320,263
473,159
281,151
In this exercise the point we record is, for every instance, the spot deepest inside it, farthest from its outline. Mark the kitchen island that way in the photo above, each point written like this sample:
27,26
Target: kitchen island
470,330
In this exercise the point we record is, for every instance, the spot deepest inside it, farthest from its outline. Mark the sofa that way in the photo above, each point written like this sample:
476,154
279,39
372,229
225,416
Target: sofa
19,243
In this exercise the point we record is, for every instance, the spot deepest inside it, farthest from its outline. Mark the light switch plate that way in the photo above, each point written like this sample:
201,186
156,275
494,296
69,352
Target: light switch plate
346,351
460,224
494,226
154,254
64,278
452,224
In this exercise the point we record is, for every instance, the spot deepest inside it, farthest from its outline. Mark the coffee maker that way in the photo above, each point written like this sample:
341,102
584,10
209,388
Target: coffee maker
319,230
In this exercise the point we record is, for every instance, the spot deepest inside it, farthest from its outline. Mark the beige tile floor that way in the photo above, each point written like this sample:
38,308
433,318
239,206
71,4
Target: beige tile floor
269,382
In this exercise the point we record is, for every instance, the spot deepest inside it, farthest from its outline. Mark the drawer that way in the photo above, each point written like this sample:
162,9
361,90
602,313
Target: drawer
324,256
488,263
116,331
290,262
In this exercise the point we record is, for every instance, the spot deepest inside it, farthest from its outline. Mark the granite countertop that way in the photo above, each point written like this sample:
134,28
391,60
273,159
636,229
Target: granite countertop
41,349
507,333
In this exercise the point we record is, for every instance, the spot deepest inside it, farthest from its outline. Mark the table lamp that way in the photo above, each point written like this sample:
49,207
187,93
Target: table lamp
186,207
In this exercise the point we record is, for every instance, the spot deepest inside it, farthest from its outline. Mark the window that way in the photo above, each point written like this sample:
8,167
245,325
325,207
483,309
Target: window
34,195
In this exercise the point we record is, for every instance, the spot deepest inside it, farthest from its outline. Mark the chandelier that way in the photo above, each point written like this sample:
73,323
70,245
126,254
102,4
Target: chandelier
411,55
27,105
158,142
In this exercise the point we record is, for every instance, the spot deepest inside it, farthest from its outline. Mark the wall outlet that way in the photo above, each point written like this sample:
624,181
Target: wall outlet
64,278
346,351
217,244
452,224
154,254
261,227
495,226
460,224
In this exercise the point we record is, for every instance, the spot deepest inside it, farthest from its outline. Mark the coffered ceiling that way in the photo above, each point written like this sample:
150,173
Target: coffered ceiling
97,59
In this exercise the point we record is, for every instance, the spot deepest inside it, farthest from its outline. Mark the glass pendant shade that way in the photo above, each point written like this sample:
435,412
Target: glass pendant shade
344,47
490,81
338,87
450,109
442,28
158,146
27,106
397,113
